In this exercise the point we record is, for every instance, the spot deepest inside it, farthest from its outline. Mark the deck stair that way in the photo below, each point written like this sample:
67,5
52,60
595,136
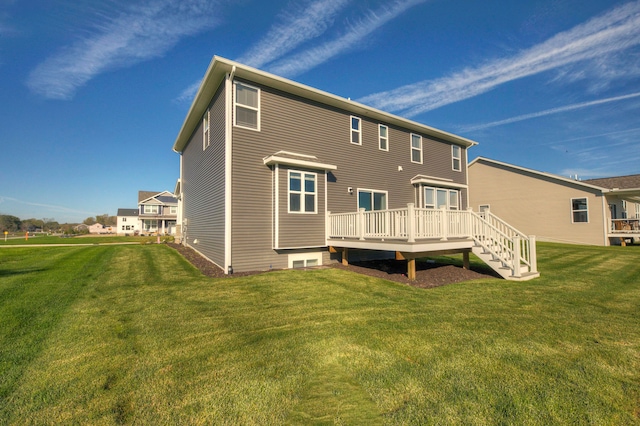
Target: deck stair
506,250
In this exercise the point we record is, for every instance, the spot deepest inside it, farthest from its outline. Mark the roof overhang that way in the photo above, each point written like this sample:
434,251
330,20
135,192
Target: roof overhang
297,160
438,182
220,67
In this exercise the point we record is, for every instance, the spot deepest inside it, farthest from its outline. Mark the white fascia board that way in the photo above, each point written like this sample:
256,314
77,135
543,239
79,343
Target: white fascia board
273,159
426,180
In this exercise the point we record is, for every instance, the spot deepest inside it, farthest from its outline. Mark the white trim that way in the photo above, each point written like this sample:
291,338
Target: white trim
454,158
206,129
351,130
276,202
275,159
586,199
380,137
417,149
302,192
427,180
372,191
249,107
228,135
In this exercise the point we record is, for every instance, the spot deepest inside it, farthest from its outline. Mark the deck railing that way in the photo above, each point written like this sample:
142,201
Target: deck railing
412,224
625,226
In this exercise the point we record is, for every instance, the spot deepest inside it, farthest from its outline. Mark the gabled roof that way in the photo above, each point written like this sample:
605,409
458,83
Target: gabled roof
220,67
149,197
617,182
128,212
541,174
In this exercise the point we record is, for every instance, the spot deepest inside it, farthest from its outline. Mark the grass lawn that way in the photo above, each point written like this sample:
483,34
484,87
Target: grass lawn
78,239
134,334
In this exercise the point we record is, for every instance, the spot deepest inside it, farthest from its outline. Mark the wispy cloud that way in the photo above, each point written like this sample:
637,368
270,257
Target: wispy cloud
139,34
293,29
551,111
50,208
313,57
607,34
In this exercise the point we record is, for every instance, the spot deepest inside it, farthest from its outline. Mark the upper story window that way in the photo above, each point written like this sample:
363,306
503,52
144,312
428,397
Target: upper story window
383,137
579,210
302,192
206,141
151,209
356,130
246,106
637,210
416,148
456,158
173,210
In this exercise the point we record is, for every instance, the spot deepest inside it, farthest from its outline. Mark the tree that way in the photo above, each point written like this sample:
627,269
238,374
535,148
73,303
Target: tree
89,221
107,220
9,223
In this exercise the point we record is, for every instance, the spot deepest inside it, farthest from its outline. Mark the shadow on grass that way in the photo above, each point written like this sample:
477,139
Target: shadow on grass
11,273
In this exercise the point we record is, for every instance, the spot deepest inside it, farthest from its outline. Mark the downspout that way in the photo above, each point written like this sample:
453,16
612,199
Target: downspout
228,135
605,206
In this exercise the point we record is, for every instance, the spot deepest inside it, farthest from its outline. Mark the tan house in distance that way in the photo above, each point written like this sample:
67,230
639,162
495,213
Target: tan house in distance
556,208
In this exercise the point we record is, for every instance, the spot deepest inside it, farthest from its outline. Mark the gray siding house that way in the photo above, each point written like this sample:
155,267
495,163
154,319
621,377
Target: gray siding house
276,174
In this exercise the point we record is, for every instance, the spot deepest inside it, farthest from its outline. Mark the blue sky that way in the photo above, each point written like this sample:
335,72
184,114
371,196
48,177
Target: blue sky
94,92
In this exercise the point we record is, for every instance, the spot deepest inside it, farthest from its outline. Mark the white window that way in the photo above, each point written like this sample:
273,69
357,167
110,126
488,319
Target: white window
637,210
579,210
124,219
416,148
356,130
369,199
624,210
205,130
302,192
304,260
150,209
383,137
437,198
149,224
456,158
173,210
247,106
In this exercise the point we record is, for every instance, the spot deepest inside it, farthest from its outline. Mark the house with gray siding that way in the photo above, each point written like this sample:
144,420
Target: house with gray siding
275,174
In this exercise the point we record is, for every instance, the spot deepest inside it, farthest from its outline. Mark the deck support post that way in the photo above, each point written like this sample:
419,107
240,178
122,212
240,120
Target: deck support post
345,256
411,269
465,260
411,223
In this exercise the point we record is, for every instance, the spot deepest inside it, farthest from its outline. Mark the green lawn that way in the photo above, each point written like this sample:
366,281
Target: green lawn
80,239
134,334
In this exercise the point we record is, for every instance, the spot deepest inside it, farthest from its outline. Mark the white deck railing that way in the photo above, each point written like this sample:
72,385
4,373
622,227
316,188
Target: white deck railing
412,224
624,226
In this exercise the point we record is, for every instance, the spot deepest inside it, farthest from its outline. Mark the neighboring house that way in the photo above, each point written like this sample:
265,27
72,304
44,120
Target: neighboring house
98,228
556,208
127,222
276,174
157,213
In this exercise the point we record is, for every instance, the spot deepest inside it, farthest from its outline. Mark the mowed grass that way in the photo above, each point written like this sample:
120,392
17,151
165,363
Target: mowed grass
135,335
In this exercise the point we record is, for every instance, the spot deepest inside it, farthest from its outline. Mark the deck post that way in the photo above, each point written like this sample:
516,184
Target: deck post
445,223
345,256
533,259
465,260
327,225
411,223
516,256
411,269
361,227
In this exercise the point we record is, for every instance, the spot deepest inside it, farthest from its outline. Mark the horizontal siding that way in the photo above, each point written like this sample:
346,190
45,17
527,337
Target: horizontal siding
536,205
297,125
203,186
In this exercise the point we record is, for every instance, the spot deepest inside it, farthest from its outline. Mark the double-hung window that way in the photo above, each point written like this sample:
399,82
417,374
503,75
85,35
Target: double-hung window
579,210
383,137
416,148
372,200
303,192
437,198
247,106
356,130
456,158
150,209
206,140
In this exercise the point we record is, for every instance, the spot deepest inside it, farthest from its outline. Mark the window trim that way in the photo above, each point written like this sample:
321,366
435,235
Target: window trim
236,104
359,130
206,129
383,138
419,149
372,191
454,158
448,192
155,207
586,210
302,192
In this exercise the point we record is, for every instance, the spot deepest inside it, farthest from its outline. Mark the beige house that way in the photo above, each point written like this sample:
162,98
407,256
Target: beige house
556,208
